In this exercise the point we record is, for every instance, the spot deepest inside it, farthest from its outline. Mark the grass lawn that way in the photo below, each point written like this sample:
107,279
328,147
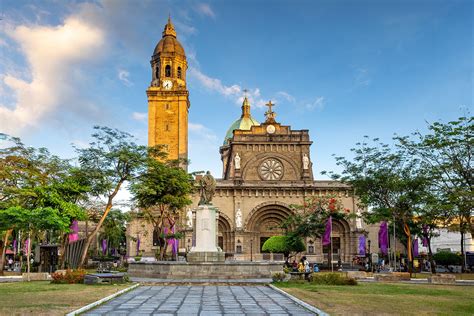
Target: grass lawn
385,298
43,298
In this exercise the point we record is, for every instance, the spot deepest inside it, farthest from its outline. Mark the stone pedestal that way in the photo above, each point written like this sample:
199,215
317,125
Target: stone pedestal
205,231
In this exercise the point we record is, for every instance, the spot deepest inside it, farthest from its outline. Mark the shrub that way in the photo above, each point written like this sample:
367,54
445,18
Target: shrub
278,277
332,279
446,258
69,277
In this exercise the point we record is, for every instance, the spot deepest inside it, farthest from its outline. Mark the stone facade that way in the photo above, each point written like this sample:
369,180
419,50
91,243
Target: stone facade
265,169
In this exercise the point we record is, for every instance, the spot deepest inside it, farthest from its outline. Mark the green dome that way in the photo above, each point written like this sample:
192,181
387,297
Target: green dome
245,122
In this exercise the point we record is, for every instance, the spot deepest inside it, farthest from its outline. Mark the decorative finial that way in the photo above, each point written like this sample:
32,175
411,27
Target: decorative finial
169,28
245,105
270,114
245,92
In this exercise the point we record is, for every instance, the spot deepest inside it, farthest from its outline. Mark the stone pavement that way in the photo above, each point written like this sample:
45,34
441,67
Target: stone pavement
201,300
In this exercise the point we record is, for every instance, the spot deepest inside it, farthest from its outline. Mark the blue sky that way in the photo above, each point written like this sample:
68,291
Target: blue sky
342,69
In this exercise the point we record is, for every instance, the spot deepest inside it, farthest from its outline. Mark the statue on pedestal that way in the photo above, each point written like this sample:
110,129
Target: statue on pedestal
237,161
238,218
305,162
189,219
207,188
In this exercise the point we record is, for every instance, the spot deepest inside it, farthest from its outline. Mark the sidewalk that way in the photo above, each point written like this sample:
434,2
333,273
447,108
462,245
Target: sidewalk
11,278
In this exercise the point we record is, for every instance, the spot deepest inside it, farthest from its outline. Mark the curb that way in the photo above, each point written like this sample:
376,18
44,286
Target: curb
103,300
299,302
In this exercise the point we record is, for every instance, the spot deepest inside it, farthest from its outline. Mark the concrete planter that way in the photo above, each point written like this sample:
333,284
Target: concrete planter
442,279
204,270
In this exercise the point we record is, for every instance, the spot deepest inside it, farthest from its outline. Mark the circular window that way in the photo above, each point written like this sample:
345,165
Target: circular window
271,169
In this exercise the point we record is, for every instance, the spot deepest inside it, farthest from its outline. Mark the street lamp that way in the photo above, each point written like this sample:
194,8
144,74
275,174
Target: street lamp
370,256
251,249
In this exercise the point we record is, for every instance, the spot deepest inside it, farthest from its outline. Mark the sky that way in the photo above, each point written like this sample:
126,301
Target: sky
341,69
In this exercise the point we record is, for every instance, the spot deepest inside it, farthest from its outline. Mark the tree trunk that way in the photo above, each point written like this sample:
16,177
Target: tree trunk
99,225
3,249
62,250
463,257
430,257
28,254
409,251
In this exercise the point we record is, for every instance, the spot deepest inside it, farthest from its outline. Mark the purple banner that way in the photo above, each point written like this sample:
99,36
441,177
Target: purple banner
383,238
104,246
425,233
15,245
74,235
362,245
327,232
415,247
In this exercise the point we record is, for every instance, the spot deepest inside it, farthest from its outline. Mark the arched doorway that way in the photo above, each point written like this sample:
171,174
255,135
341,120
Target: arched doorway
225,239
264,221
341,241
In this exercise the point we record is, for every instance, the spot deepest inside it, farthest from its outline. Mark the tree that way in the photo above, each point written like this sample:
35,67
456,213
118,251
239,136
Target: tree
446,258
309,219
161,192
387,182
34,183
112,159
447,152
284,244
114,228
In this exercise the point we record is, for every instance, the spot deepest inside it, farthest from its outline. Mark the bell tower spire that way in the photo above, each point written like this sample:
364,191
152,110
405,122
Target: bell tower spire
168,98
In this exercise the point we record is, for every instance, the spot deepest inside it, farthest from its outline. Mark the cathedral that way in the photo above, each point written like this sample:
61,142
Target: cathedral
266,167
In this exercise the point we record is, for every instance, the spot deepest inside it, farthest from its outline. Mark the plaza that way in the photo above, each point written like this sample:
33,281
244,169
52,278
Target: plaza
201,300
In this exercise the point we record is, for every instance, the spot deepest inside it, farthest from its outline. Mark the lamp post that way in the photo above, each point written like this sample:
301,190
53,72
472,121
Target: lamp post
370,256
251,249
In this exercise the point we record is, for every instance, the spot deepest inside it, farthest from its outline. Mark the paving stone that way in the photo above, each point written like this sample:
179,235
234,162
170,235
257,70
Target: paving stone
201,300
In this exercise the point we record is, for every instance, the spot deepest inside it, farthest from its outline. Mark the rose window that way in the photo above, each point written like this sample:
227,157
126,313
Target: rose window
271,169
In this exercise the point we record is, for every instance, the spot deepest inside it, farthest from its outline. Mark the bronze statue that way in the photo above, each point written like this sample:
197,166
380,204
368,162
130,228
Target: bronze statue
207,187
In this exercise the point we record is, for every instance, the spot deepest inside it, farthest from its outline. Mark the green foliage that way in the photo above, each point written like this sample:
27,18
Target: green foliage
447,258
161,184
114,228
446,152
332,279
283,244
309,219
278,277
69,277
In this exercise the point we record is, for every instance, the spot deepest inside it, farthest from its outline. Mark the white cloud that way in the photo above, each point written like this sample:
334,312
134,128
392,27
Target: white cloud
140,116
52,52
205,9
123,76
285,95
317,104
201,131
214,84
362,77
234,91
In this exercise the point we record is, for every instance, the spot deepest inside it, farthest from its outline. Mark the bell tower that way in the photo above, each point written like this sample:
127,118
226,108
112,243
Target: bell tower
168,98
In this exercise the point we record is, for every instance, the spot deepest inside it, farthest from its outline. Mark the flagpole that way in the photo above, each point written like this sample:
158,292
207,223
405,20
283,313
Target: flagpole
390,248
330,238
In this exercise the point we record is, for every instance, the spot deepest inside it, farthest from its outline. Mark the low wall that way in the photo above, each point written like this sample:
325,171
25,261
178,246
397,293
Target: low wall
204,270
442,279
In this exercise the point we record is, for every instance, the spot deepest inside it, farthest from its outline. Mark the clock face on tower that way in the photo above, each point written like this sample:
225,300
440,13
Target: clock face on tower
270,129
167,84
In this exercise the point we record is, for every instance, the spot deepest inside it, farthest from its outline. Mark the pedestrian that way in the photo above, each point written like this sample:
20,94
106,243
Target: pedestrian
295,266
307,269
10,264
315,267
301,265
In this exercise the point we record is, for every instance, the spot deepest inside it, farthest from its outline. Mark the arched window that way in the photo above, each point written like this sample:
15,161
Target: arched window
157,71
168,71
179,72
